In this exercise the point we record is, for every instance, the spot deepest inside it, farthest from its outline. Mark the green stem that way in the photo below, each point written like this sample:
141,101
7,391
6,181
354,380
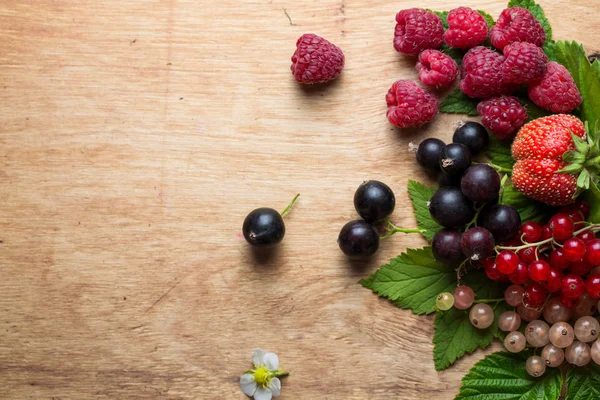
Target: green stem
392,229
489,300
499,168
517,248
474,220
289,207
593,162
279,373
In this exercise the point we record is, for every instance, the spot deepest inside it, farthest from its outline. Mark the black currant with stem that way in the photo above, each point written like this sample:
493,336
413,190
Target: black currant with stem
264,227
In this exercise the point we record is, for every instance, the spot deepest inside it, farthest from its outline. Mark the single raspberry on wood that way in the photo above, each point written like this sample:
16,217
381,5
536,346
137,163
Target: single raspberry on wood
503,115
410,105
417,30
523,62
316,60
555,90
466,28
481,73
436,69
517,24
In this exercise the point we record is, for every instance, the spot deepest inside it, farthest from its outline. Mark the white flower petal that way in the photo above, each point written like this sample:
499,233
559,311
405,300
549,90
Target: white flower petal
263,394
275,386
247,384
271,361
258,356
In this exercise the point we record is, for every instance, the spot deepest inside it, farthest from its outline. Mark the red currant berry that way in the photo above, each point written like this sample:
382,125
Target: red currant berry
528,254
554,283
574,249
592,252
567,302
592,285
520,276
539,271
573,286
546,232
491,270
583,206
531,232
573,212
507,261
534,295
580,268
558,259
586,236
562,227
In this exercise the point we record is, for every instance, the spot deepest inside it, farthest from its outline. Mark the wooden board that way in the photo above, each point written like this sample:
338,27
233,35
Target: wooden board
135,137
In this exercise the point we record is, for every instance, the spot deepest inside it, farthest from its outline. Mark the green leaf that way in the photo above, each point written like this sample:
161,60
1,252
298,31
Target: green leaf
583,383
580,144
549,49
456,54
529,209
573,157
502,376
443,16
413,280
587,77
459,103
583,180
570,169
488,18
533,111
499,153
592,196
420,196
537,12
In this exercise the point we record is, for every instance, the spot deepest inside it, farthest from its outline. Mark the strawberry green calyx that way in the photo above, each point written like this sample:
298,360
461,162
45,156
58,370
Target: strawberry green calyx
584,160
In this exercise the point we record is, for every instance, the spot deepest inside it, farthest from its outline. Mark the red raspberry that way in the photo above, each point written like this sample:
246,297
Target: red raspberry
466,28
410,105
481,74
417,30
555,90
503,116
517,24
523,62
316,60
436,69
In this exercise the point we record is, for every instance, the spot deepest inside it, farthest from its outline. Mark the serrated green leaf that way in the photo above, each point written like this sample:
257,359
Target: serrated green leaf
459,103
538,13
413,280
592,196
583,180
583,383
488,18
550,50
587,77
420,196
502,376
499,153
529,209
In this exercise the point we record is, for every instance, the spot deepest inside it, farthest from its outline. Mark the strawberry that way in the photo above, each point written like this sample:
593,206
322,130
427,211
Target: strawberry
554,161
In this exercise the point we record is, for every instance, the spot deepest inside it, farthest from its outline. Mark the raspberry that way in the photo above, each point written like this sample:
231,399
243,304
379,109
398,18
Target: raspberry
481,74
417,30
517,24
436,69
503,116
466,28
316,60
555,90
523,62
410,105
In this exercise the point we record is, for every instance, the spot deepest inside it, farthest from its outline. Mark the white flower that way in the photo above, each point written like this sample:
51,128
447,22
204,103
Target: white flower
262,382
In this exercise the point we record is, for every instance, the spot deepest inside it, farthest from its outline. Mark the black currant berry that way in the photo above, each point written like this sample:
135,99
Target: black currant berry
428,153
445,180
450,208
477,244
263,227
480,183
374,201
473,135
446,246
358,239
455,159
502,220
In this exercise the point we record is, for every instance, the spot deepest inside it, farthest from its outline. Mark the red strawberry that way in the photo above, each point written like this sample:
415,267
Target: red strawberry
550,155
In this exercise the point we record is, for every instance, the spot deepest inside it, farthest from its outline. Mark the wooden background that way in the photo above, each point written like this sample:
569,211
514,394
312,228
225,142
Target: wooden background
134,138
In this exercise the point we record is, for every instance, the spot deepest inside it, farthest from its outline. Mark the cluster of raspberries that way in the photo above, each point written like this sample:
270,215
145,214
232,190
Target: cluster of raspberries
487,74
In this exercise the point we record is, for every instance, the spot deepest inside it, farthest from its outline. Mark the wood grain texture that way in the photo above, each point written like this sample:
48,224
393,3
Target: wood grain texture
136,135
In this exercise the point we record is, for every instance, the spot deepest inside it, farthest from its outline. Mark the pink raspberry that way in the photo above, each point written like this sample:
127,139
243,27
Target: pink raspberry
523,62
316,60
517,24
436,69
466,28
410,105
503,116
555,90
417,30
481,73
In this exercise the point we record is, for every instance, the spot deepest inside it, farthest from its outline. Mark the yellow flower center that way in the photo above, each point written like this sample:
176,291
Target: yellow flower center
262,376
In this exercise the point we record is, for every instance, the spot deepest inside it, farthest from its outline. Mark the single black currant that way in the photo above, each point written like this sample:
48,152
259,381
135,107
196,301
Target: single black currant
480,183
428,153
374,201
502,220
477,243
455,159
358,239
473,135
445,180
446,246
450,208
264,226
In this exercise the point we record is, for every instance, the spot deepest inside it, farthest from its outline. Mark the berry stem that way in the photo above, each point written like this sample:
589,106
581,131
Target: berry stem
593,162
392,229
489,300
517,248
289,207
460,271
499,168
474,220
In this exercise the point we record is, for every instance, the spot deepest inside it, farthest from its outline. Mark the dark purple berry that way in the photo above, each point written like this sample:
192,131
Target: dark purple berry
358,239
446,246
428,153
455,159
374,201
450,208
263,227
473,135
502,220
480,183
477,244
